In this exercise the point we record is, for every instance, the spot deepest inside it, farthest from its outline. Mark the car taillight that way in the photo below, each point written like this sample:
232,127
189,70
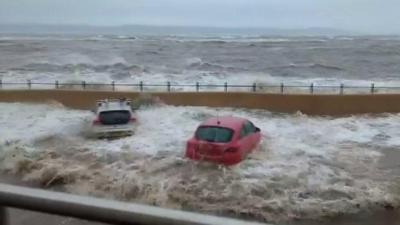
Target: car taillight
132,119
189,144
96,121
231,150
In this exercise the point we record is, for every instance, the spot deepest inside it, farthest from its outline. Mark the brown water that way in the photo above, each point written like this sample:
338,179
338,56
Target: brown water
386,216
390,161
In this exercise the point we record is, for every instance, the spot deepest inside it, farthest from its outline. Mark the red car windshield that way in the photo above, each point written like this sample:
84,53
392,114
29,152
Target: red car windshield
214,134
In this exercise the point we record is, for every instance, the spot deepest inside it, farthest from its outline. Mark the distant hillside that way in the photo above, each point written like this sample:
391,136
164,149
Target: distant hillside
163,30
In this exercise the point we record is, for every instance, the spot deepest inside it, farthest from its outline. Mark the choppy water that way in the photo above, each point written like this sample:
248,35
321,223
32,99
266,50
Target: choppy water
306,168
322,60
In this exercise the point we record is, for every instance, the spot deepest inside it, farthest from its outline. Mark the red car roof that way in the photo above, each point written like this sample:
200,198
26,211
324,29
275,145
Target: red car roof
234,123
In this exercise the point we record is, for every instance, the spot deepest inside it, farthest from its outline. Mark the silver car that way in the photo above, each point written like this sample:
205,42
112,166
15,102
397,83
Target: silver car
114,118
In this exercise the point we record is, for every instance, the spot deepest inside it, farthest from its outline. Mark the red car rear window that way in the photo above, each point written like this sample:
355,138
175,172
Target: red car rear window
214,134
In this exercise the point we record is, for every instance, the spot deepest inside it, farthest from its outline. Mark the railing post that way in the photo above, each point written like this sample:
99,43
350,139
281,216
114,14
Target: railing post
372,88
282,88
84,85
1,83
312,88
113,85
141,86
226,87
197,86
29,84
254,87
56,84
341,88
169,86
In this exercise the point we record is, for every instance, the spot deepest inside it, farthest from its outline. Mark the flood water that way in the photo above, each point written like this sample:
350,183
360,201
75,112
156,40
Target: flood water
299,173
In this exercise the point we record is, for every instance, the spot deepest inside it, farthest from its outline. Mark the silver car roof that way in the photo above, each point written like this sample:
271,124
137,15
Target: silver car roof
113,104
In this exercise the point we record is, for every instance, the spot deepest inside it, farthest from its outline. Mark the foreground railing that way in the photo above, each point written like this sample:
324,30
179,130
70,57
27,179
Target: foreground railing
170,87
100,210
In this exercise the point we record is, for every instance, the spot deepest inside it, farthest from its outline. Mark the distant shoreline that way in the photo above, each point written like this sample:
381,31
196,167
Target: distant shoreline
170,30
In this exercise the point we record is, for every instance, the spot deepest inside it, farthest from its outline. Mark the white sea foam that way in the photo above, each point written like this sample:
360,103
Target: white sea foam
306,167
264,81
27,122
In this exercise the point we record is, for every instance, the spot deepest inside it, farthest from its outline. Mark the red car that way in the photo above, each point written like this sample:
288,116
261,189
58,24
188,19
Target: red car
225,140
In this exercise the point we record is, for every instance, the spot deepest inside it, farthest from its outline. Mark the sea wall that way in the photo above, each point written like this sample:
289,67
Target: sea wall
334,105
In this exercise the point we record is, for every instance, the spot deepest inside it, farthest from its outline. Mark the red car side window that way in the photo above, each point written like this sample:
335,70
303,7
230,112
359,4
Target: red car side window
247,129
243,132
250,127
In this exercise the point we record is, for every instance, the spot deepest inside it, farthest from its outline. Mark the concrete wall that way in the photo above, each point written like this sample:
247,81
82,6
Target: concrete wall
334,105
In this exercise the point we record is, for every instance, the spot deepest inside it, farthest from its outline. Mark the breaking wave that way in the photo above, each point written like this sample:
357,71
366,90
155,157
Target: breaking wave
237,60
113,68
311,66
198,64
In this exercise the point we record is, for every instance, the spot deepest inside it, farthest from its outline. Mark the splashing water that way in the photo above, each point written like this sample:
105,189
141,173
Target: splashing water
306,167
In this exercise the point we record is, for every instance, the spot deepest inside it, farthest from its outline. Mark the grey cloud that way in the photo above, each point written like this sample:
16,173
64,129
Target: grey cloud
360,15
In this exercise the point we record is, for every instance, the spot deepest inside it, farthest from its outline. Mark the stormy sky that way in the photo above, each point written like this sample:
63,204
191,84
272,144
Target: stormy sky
372,16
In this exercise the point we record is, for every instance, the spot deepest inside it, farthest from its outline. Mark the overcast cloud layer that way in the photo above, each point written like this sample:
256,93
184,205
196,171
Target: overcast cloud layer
371,16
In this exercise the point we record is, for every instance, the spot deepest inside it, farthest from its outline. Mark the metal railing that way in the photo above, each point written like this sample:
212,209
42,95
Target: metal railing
197,86
101,210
